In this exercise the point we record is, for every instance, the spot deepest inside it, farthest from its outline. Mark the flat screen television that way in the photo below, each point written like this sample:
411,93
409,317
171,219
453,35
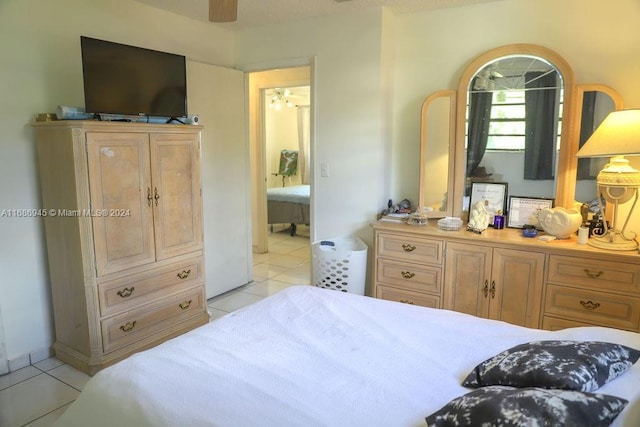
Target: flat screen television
128,80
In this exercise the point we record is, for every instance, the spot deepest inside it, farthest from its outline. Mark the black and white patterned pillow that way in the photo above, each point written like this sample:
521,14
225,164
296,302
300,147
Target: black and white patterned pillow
500,406
567,365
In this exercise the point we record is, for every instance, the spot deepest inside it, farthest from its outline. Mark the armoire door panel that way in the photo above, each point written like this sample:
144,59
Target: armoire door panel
177,200
119,180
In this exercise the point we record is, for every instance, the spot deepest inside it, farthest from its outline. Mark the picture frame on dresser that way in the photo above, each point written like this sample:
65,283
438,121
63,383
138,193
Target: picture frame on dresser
494,195
523,209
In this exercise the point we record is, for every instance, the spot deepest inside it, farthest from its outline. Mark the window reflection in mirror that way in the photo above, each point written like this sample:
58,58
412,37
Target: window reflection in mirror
513,125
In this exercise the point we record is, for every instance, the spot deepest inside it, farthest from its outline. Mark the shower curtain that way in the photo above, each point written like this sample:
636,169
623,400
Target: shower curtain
304,137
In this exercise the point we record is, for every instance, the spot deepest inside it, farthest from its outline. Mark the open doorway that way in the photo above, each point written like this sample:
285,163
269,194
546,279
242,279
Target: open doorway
279,125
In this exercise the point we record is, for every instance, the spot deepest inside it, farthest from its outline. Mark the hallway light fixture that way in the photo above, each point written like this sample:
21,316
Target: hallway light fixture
280,98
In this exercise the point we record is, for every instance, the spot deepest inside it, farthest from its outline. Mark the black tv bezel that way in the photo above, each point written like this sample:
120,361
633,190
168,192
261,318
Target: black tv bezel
89,108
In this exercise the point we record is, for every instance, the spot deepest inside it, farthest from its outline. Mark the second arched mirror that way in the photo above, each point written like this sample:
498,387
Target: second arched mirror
513,104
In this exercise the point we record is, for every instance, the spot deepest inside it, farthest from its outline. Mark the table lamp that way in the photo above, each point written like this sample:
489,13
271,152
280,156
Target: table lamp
617,136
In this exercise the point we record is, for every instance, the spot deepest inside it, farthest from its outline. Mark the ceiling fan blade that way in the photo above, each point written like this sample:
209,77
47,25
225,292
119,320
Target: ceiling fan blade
223,10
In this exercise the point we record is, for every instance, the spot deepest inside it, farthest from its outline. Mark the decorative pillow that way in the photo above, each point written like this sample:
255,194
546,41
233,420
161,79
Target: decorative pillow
528,407
567,365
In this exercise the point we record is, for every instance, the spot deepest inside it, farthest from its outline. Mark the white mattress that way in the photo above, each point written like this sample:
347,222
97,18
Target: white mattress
314,357
293,194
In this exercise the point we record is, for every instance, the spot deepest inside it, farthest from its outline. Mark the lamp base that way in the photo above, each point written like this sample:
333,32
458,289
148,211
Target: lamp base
613,241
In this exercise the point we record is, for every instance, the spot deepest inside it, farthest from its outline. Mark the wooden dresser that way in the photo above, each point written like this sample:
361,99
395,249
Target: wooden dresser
123,219
502,275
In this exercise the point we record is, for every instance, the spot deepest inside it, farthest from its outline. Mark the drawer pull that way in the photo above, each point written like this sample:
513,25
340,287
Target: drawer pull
156,195
493,289
408,274
590,305
406,301
593,273
128,326
485,288
149,196
408,248
184,274
185,304
126,292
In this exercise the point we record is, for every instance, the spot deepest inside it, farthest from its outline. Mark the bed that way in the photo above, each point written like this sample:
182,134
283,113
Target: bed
313,357
288,205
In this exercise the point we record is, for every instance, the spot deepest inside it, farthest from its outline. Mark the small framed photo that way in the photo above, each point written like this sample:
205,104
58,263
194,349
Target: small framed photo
524,210
492,194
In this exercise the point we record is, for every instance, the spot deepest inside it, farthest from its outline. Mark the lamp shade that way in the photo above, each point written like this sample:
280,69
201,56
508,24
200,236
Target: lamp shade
617,135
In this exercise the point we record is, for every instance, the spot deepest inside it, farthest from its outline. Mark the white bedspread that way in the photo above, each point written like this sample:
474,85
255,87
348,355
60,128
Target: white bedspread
314,357
293,194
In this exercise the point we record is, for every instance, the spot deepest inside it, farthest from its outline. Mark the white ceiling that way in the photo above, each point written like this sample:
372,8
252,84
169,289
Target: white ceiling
255,13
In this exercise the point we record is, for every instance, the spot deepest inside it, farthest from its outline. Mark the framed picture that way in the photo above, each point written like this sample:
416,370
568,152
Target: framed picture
524,210
492,194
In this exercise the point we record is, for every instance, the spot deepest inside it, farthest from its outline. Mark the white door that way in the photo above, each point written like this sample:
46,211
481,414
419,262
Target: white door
216,95
4,364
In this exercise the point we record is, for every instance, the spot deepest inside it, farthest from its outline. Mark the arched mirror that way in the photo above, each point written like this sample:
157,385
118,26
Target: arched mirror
513,105
437,144
594,102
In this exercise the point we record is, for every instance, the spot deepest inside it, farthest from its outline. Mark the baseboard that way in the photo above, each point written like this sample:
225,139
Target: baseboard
25,360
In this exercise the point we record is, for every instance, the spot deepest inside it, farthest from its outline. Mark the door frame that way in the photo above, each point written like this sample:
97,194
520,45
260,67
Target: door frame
257,80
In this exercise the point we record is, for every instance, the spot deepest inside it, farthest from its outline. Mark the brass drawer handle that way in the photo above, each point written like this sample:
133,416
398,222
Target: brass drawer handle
485,288
406,301
185,304
149,196
593,273
184,274
128,326
126,292
156,195
493,289
589,305
408,248
408,274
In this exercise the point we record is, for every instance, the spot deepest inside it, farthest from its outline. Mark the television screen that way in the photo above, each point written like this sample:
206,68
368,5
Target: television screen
129,80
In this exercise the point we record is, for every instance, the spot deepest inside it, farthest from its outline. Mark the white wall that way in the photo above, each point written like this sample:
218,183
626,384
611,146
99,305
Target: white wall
40,68
349,121
600,41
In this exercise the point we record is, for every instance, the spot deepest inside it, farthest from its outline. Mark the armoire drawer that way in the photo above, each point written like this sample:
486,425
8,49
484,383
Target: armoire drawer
592,307
408,248
132,326
118,295
417,277
407,297
594,274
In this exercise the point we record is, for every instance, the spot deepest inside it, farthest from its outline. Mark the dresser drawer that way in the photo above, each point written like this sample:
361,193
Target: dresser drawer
592,307
417,277
132,326
131,291
551,323
408,248
407,297
594,274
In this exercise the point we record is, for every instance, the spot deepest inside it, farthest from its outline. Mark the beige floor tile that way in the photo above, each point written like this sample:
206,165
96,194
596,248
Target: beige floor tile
18,376
48,364
267,271
33,398
267,288
70,376
50,418
234,302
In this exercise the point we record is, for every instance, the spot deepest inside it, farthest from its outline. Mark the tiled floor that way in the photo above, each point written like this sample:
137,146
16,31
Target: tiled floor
38,394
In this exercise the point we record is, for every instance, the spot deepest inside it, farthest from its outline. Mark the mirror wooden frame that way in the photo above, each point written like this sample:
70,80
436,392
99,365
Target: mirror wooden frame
565,191
424,141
